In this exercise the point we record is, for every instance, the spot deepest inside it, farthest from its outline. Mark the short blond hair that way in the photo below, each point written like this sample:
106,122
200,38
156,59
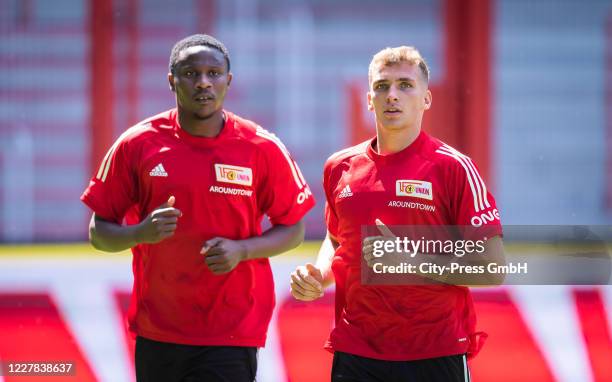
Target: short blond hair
392,56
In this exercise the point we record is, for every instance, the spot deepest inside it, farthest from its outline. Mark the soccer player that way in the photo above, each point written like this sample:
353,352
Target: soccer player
398,332
193,184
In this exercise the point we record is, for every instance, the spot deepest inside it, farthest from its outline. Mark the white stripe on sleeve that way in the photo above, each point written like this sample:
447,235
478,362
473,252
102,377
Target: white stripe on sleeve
108,158
475,173
469,176
271,137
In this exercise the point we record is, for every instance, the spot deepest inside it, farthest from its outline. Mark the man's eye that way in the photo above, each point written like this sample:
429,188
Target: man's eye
214,73
381,87
189,73
405,85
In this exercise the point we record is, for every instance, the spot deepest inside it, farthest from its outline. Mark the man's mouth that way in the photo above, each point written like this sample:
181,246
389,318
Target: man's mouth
392,110
204,98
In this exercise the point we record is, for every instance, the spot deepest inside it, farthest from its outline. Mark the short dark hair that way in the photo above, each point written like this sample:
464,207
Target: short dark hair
197,40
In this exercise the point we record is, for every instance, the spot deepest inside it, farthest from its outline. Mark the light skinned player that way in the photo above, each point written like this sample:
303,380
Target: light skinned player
398,332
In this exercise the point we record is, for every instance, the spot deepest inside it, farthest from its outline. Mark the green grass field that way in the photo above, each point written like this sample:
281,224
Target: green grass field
307,249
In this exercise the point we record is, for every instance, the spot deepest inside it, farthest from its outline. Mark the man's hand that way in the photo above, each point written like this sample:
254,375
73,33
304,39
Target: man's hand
368,245
368,250
160,224
223,255
307,283
386,232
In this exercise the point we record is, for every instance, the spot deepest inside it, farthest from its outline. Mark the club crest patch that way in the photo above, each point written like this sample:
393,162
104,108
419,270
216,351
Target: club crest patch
414,188
234,174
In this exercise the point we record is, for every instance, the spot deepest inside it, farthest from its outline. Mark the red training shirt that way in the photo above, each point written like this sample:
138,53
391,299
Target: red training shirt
401,323
223,187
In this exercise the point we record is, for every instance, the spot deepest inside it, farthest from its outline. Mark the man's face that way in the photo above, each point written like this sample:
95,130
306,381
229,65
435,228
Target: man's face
200,81
398,95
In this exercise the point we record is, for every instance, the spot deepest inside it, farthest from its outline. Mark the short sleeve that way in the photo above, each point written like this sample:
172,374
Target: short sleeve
473,206
285,195
331,219
112,189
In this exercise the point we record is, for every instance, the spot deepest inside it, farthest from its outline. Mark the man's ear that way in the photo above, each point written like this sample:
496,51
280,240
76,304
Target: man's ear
427,100
171,81
229,78
370,105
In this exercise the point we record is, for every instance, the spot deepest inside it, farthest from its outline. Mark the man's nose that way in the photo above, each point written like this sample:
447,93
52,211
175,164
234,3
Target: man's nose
392,94
202,81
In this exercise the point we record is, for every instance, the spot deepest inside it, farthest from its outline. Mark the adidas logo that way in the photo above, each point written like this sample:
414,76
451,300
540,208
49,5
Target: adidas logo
346,192
158,171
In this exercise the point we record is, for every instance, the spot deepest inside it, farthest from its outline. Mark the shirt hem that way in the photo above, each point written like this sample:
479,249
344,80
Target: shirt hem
247,342
395,357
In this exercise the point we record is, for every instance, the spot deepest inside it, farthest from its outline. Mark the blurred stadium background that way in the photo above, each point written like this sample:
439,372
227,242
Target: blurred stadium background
524,87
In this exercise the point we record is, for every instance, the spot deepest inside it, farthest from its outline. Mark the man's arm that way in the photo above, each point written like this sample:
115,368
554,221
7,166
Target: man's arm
324,259
223,255
309,281
112,237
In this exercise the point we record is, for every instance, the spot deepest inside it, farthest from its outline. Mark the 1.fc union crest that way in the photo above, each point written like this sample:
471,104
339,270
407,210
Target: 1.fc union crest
234,174
414,188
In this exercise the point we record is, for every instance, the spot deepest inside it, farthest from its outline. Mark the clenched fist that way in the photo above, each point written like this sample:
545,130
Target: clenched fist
223,255
307,283
160,224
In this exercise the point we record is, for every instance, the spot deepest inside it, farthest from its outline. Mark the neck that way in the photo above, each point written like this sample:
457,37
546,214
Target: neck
393,141
208,127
